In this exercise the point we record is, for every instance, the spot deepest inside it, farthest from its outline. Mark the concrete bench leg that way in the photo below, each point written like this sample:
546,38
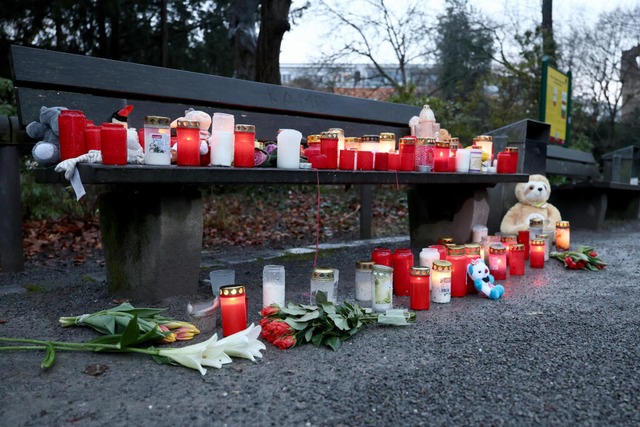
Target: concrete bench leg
445,211
11,254
152,238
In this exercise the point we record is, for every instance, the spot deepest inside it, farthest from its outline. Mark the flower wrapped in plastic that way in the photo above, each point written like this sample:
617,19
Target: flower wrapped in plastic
325,324
585,258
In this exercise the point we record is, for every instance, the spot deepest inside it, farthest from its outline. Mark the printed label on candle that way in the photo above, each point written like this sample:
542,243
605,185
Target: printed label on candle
442,290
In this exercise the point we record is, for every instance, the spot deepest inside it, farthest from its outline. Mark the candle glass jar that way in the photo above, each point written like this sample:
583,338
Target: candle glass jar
472,252
487,241
387,142
503,162
157,140
428,256
462,160
341,139
188,133
233,309
536,253
475,159
364,275
273,285
407,150
370,143
420,285
441,161
350,143
382,256
498,261
113,142
381,288
441,282
535,227
347,159
453,150
223,126
512,164
244,146
402,263
563,234
288,149
92,137
323,279
485,142
458,259
516,260
507,240
364,160
71,129
329,147
478,231
545,237
442,250
381,161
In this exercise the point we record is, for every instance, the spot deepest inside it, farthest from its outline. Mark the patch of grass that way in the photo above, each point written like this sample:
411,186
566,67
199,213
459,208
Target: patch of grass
34,288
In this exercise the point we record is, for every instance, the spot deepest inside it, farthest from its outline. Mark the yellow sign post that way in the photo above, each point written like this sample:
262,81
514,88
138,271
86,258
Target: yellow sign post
555,102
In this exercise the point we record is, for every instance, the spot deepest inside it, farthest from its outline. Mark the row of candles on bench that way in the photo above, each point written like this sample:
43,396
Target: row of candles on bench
234,144
440,275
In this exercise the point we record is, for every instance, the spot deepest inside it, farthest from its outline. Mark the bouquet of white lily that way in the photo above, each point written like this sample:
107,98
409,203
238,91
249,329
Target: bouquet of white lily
210,353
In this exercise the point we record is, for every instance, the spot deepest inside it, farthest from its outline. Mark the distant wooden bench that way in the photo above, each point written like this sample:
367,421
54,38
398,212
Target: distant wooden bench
151,217
586,200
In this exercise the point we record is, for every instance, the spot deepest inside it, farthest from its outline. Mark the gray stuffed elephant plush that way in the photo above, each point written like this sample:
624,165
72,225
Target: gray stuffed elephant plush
47,150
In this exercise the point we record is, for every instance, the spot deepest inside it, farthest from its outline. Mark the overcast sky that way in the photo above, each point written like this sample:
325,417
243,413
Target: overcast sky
303,42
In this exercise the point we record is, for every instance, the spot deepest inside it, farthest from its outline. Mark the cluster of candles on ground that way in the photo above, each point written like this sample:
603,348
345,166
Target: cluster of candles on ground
441,272
428,149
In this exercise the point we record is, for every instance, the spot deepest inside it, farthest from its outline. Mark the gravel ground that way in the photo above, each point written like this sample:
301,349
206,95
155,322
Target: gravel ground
561,348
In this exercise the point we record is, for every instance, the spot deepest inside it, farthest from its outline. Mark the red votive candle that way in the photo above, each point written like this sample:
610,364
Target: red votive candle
507,241
453,149
365,160
516,260
382,256
71,127
188,134
347,159
442,251
244,142
523,237
318,161
402,263
498,261
441,160
381,161
394,161
329,147
233,309
458,259
503,162
536,253
419,293
92,137
113,144
407,149
472,251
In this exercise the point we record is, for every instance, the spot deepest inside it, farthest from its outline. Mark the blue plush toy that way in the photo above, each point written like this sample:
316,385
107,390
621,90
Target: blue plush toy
483,280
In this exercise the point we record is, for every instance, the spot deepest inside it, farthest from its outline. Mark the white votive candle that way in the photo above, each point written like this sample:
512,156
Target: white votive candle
273,285
462,160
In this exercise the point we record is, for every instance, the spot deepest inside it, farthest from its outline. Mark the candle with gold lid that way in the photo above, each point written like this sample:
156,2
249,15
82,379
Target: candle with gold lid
458,259
516,259
407,150
233,309
498,261
441,282
420,284
546,246
485,142
563,230
536,253
243,146
323,279
441,161
387,142
329,147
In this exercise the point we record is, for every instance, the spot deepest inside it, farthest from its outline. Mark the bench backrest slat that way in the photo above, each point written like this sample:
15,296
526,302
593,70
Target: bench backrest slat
571,163
172,91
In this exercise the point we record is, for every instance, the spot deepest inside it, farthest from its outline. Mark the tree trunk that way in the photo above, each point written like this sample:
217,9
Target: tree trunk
548,42
274,22
164,28
242,36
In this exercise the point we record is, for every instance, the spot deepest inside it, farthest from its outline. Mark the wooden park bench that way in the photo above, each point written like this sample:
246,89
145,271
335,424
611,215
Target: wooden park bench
587,199
151,217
